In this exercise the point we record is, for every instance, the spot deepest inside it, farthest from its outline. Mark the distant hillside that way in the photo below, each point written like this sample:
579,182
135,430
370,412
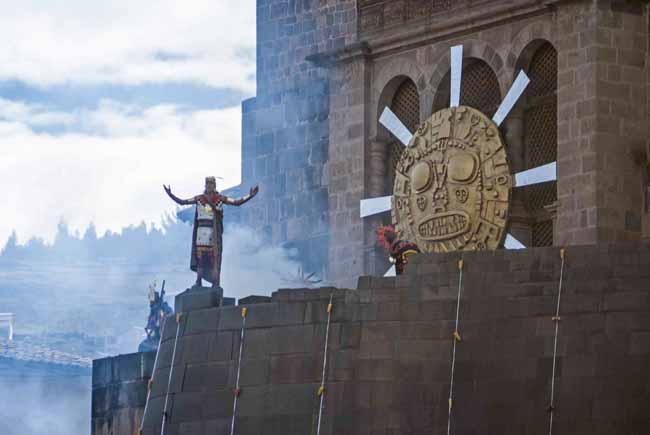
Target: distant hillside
97,286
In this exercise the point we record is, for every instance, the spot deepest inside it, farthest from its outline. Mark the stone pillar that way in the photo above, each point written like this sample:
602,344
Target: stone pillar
377,169
376,262
346,168
602,117
520,223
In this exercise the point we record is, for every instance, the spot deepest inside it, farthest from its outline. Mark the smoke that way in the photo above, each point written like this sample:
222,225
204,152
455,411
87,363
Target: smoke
98,286
87,295
253,267
37,399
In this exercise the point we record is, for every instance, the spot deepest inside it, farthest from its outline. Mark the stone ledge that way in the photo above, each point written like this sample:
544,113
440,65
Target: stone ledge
197,298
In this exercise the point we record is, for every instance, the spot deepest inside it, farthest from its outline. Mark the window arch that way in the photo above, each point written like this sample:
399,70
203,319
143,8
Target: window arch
406,106
540,139
479,88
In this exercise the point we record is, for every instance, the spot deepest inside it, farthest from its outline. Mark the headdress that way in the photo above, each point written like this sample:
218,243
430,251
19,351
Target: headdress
381,235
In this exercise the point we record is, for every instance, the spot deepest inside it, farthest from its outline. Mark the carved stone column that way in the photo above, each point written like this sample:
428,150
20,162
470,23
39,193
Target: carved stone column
377,168
520,222
377,186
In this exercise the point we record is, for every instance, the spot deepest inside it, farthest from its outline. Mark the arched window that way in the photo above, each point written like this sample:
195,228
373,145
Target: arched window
406,105
479,88
540,139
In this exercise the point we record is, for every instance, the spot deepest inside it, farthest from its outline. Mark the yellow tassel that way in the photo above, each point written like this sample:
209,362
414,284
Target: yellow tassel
244,311
321,390
178,317
451,403
460,264
329,307
150,384
457,336
562,253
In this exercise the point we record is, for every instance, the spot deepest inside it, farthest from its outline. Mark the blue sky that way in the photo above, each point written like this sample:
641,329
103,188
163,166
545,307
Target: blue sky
102,102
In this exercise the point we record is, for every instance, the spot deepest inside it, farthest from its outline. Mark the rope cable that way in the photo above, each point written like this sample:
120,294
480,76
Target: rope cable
456,339
171,371
244,311
150,384
321,390
556,319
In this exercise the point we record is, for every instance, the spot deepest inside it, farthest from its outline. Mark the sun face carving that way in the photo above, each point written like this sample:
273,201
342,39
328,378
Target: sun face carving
453,184
458,169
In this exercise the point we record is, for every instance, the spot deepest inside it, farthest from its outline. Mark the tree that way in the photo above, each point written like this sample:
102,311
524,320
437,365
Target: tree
10,247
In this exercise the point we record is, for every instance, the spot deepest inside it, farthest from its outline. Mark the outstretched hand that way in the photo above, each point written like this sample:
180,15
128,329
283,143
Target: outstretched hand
254,191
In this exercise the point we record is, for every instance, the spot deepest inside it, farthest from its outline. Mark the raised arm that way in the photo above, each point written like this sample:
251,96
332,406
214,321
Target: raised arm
243,199
178,200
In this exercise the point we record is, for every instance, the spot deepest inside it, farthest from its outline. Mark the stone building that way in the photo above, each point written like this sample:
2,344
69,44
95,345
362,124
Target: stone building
384,359
327,68
389,354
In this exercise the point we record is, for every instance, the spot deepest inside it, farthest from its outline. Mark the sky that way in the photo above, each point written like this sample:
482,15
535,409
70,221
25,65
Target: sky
102,102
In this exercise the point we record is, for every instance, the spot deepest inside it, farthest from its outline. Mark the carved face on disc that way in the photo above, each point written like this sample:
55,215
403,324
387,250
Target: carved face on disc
452,184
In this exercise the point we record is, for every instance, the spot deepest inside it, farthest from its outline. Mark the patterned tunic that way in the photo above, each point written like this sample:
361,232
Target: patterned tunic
207,246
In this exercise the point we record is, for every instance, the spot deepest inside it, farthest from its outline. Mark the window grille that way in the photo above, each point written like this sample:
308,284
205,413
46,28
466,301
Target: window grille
479,89
540,121
543,233
406,106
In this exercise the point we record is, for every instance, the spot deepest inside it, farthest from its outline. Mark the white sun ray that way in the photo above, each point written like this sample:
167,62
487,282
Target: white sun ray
512,243
373,206
389,120
391,271
540,174
517,88
456,75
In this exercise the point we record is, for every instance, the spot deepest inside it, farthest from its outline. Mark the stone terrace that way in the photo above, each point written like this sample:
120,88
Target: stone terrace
390,351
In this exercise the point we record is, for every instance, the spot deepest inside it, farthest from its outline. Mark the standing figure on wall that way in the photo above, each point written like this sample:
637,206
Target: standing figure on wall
207,235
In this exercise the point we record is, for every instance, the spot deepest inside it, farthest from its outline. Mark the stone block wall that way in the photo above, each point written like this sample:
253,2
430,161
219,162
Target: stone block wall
602,97
602,120
365,76
285,127
390,350
119,393
325,70
347,181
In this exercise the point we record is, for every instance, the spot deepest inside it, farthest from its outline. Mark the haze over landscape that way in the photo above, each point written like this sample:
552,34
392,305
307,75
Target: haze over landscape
100,104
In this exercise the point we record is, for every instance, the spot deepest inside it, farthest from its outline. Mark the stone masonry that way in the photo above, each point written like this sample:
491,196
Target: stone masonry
286,126
326,69
120,393
603,118
602,100
390,348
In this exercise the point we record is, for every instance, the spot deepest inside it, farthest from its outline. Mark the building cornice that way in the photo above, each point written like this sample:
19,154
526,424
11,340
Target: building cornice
375,46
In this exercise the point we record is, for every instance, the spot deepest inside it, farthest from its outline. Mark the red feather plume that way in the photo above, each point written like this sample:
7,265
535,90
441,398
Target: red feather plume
381,235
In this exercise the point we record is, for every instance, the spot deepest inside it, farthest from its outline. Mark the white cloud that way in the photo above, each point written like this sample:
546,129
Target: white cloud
32,114
46,42
110,170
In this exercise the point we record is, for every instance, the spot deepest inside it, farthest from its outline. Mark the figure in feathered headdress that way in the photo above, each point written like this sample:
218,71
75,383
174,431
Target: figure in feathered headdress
399,250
